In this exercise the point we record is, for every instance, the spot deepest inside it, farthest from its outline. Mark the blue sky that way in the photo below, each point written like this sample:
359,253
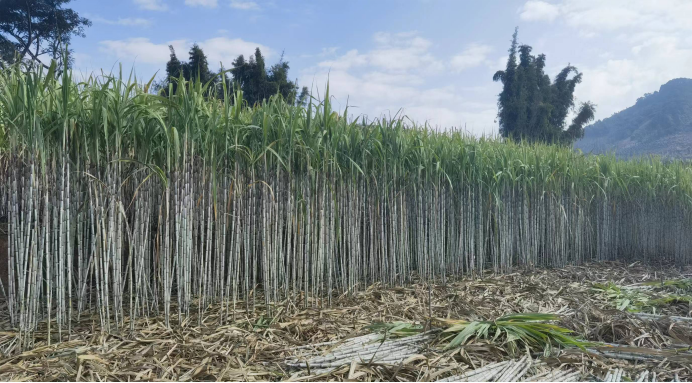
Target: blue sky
432,59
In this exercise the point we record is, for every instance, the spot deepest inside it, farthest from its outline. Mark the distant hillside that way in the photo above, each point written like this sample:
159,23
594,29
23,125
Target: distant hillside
659,123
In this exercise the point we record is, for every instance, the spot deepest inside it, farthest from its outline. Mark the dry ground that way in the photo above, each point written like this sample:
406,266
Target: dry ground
257,346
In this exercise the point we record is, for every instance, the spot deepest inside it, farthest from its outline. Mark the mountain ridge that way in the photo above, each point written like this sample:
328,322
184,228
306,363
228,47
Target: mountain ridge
659,123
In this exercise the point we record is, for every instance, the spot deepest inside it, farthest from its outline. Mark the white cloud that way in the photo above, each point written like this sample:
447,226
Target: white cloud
535,10
593,16
130,22
142,50
617,83
225,50
326,52
81,60
387,38
498,64
202,3
402,59
395,76
642,45
244,5
351,59
151,5
474,55
403,51
394,52
329,51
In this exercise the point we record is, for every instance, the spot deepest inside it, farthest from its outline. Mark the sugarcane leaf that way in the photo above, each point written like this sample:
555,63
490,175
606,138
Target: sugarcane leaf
469,331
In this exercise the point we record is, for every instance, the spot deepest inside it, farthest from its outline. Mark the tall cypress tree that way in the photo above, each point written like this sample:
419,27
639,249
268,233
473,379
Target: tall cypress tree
258,78
239,70
197,65
190,70
532,108
303,97
258,83
278,82
507,108
173,69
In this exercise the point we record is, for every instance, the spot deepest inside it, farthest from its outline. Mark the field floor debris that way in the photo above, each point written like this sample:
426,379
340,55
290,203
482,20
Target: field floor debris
634,321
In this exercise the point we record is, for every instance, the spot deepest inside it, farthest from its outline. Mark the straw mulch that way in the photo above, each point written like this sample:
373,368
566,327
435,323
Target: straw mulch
259,347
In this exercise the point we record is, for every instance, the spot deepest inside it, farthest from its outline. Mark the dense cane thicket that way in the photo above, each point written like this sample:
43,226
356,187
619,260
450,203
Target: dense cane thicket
128,204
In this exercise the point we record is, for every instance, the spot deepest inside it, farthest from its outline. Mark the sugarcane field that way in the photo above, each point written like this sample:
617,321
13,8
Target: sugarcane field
399,211
283,246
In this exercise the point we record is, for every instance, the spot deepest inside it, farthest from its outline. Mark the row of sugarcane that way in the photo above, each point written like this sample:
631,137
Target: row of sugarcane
126,205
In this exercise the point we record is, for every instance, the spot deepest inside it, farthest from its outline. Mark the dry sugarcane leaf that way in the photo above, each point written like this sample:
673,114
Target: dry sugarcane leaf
91,357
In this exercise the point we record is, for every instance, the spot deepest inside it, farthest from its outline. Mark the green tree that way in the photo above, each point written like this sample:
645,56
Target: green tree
258,83
224,76
278,82
240,70
303,97
36,31
531,107
197,66
173,69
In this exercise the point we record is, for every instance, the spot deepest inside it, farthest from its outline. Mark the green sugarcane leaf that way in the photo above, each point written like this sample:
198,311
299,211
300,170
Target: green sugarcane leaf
469,331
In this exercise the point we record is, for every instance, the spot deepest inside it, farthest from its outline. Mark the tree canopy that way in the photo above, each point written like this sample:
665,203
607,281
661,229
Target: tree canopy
303,97
196,66
37,30
254,79
531,107
258,83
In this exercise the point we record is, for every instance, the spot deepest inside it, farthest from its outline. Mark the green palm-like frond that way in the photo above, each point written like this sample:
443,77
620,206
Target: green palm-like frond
514,330
396,329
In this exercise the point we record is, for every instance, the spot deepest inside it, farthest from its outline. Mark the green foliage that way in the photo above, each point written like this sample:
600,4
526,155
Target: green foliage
278,82
195,69
3,140
624,299
671,300
316,133
197,66
680,285
396,329
532,108
3,128
637,300
307,199
241,71
514,330
262,323
303,97
252,77
174,69
49,30
258,84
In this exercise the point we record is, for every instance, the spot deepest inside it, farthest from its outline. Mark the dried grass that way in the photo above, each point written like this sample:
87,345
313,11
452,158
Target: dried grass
256,347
